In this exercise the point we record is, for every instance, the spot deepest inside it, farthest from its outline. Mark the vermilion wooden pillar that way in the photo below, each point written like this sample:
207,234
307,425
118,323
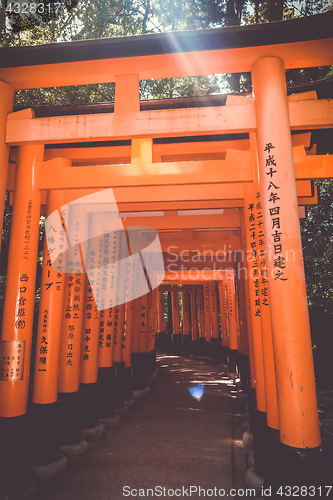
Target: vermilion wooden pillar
153,331
215,340
254,295
208,323
45,408
18,313
20,285
194,320
45,390
186,320
161,321
91,321
224,317
232,316
135,344
266,324
201,311
298,412
176,338
73,307
106,370
143,342
224,310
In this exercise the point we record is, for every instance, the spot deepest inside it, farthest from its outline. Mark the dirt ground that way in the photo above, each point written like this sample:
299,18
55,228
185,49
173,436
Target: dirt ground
325,407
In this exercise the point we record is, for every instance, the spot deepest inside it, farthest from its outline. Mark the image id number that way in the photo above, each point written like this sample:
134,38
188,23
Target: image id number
303,491
33,8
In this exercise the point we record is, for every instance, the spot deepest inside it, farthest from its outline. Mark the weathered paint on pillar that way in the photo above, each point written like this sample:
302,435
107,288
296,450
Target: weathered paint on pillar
45,388
6,106
298,412
20,285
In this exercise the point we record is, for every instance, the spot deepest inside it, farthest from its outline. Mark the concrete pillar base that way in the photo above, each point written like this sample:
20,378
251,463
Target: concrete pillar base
75,451
130,402
122,411
246,425
139,395
248,440
254,481
111,421
49,471
94,433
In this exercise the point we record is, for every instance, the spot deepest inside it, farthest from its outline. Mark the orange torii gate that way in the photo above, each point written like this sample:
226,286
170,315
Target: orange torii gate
256,203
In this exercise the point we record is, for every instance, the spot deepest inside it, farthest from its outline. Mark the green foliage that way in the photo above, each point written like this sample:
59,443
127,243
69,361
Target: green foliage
174,15
62,96
317,239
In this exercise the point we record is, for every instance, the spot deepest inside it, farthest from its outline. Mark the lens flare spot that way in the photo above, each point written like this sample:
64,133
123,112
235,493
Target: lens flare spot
197,391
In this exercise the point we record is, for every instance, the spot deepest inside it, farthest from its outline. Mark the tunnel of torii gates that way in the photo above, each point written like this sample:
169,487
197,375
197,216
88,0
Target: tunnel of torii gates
222,181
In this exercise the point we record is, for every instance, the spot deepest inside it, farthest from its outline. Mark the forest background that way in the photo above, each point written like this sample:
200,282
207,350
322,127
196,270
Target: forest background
86,19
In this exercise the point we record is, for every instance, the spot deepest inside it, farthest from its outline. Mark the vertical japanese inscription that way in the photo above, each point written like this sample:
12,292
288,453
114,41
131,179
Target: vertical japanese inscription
274,208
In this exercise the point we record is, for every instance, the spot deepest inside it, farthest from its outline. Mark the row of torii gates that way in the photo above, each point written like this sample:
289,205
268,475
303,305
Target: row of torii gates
222,184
